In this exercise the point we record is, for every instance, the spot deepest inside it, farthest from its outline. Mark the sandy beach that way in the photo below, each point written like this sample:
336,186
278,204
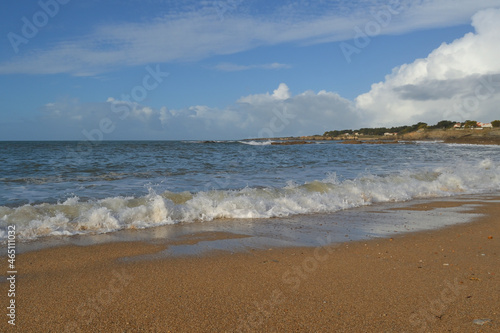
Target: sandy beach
250,166
429,281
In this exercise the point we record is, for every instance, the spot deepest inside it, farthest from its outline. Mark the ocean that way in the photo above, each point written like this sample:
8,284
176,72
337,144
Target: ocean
78,188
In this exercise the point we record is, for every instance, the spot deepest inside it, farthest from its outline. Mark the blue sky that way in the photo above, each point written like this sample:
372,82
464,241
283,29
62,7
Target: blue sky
230,69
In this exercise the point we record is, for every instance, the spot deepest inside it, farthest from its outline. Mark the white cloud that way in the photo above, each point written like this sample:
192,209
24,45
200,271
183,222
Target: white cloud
282,92
263,115
200,34
456,81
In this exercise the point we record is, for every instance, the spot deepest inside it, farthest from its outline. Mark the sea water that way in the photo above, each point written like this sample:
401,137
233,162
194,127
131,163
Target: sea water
71,188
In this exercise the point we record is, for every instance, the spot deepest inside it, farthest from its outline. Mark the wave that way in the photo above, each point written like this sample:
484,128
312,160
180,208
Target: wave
257,143
209,141
425,141
73,216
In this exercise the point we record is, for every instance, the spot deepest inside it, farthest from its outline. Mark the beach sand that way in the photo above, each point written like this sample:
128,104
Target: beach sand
428,281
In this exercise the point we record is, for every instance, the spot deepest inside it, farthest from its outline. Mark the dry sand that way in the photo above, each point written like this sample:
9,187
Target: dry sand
432,281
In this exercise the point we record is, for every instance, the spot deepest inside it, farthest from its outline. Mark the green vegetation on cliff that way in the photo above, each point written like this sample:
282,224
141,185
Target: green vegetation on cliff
443,124
400,130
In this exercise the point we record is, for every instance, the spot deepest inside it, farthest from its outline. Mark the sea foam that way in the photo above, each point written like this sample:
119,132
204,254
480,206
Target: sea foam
74,216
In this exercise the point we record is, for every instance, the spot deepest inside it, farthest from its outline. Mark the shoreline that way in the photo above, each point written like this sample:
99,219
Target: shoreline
376,220
430,280
460,136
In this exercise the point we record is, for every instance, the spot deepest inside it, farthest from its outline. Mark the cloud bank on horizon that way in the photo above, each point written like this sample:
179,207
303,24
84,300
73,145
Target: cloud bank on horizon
460,80
260,115
457,81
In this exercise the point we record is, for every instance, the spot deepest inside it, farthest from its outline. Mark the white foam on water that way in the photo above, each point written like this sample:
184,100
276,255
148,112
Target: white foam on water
73,217
257,143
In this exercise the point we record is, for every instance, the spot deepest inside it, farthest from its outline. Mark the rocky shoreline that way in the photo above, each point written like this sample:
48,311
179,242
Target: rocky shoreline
480,137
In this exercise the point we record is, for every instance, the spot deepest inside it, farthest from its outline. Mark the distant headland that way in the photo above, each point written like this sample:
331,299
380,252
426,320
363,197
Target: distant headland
469,131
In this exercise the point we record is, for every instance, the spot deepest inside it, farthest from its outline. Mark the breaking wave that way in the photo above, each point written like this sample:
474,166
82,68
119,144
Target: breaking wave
74,216
256,143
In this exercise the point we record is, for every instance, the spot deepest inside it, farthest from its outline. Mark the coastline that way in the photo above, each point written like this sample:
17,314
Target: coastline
460,136
435,280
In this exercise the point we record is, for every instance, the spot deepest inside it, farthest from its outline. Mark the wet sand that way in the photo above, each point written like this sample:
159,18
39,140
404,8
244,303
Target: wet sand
428,281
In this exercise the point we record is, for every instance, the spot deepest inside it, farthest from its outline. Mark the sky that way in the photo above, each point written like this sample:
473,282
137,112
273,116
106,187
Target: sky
232,69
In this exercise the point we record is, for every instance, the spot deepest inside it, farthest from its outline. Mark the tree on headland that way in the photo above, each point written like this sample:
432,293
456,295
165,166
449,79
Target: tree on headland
443,124
337,133
470,124
421,126
400,130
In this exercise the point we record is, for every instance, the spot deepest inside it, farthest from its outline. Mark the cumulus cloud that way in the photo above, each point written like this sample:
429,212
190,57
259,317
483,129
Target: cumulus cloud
459,80
282,113
262,115
279,113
